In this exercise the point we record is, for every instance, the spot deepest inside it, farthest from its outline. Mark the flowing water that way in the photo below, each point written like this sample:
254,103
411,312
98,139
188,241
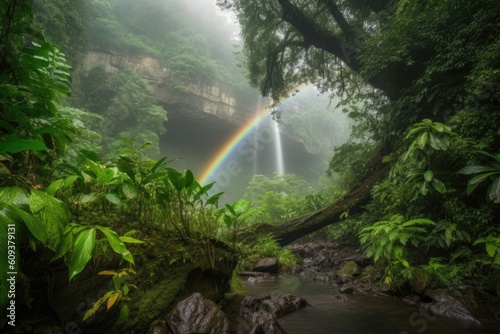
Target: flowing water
334,313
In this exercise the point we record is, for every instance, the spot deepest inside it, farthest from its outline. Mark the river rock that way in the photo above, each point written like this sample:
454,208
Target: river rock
268,327
276,307
196,314
254,274
350,269
346,288
441,302
268,265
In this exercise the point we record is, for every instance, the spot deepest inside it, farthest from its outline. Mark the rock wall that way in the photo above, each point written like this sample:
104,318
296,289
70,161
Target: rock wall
214,99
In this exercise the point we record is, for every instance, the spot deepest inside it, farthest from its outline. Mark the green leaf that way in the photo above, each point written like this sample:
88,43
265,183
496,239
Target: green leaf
129,190
428,176
34,225
21,145
124,312
53,213
153,176
158,164
15,196
87,198
422,140
82,252
495,191
474,169
439,186
54,187
65,245
113,198
116,243
481,177
188,179
90,155
423,188
231,209
131,240
214,199
491,249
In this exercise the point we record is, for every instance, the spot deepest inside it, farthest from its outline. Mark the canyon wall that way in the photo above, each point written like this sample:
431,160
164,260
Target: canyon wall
216,99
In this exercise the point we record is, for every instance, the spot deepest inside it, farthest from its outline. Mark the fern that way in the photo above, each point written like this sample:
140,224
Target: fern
381,238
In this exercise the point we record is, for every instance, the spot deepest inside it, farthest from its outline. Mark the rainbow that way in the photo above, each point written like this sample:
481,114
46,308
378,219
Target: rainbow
230,145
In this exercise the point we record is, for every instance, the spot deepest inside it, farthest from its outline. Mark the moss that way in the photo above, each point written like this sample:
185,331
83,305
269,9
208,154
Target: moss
237,286
420,280
147,306
349,269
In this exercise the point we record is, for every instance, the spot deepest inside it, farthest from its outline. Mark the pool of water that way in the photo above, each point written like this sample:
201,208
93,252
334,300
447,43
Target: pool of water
332,312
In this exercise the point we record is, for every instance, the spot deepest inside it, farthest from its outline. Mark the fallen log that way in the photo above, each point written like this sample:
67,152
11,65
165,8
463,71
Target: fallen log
353,203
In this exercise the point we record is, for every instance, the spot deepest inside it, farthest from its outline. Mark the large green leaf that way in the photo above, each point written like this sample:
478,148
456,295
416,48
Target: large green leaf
116,243
34,225
21,145
66,244
474,169
129,190
82,252
53,213
495,191
15,196
113,198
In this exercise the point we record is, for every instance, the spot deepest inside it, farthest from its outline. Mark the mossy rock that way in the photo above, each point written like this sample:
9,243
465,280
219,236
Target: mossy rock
420,281
349,269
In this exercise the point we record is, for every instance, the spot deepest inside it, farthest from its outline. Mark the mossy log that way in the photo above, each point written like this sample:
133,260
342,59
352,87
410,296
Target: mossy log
352,203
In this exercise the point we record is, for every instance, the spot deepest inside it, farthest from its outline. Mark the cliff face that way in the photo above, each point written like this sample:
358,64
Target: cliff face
197,101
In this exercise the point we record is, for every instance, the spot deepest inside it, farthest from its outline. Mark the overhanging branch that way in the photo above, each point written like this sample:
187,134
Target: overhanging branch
318,37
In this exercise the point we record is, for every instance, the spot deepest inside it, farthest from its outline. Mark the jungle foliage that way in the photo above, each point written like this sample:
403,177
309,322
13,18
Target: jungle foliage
59,198
420,81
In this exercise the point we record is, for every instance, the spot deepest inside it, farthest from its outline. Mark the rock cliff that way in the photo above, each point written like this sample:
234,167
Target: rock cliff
196,101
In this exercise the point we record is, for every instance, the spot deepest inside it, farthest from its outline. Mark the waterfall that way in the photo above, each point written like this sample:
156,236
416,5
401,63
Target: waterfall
278,149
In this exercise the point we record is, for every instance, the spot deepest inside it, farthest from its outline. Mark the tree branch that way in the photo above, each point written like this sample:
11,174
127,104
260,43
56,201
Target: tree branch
318,37
339,18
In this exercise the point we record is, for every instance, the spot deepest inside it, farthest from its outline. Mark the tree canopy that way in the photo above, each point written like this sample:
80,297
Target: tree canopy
417,53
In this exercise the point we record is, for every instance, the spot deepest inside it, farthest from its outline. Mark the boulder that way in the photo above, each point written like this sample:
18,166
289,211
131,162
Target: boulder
268,265
196,314
346,288
349,269
268,327
258,310
442,302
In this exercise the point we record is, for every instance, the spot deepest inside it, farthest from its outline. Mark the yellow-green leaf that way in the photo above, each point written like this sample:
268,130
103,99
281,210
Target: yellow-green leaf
112,299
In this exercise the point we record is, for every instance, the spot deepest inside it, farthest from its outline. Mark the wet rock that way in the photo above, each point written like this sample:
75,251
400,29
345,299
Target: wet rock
319,259
347,288
442,302
254,274
158,327
268,265
276,307
458,309
360,259
196,314
268,327
439,295
321,278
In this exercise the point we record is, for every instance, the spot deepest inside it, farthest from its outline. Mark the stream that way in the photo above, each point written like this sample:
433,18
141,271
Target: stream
332,312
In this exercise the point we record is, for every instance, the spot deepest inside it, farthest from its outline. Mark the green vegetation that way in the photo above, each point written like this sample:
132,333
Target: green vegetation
420,82
82,181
